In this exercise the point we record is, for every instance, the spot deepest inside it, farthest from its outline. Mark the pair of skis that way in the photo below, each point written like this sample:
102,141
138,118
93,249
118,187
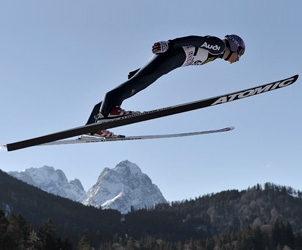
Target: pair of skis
56,138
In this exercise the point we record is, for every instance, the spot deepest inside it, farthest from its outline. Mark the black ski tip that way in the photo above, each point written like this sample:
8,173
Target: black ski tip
295,77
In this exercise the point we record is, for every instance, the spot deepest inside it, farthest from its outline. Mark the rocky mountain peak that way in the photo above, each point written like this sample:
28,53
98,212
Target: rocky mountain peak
123,187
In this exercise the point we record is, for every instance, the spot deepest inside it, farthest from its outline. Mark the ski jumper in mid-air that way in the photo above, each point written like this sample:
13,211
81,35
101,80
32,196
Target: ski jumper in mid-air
167,56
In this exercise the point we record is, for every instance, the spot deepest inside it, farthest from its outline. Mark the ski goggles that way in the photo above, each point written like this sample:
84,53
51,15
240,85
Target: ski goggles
240,51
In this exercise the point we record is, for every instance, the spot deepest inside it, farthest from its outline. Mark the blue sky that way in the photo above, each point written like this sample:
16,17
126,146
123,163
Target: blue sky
59,58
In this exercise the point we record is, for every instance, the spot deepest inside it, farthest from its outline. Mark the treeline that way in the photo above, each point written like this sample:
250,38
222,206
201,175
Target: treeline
214,214
202,222
16,233
267,237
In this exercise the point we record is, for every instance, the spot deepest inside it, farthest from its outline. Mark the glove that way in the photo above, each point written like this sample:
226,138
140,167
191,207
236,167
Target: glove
160,47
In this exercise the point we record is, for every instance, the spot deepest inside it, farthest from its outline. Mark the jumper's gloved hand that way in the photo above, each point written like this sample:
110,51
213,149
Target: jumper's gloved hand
160,47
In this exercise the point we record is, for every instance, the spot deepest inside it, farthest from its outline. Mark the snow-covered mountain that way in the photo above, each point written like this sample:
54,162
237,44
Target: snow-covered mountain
120,188
123,187
52,181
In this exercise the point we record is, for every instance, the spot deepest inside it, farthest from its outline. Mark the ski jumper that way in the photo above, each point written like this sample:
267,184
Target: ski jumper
185,51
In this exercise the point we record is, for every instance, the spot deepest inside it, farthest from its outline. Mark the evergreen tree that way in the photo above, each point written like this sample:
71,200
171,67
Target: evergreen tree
33,241
17,231
48,236
3,228
209,243
130,244
84,244
246,239
290,237
283,235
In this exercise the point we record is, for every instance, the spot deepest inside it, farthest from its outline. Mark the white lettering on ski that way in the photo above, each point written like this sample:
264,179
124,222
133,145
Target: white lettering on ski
254,91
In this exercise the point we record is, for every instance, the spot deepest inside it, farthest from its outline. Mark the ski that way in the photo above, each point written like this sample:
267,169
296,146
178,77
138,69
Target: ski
153,114
89,139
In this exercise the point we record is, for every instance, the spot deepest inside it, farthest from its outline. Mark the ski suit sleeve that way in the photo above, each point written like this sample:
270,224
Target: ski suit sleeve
206,42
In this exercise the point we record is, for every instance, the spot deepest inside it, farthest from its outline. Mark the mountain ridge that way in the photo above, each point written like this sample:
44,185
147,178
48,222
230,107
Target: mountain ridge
51,180
123,187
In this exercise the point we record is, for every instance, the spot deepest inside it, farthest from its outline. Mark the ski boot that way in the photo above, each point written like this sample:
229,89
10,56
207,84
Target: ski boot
116,112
